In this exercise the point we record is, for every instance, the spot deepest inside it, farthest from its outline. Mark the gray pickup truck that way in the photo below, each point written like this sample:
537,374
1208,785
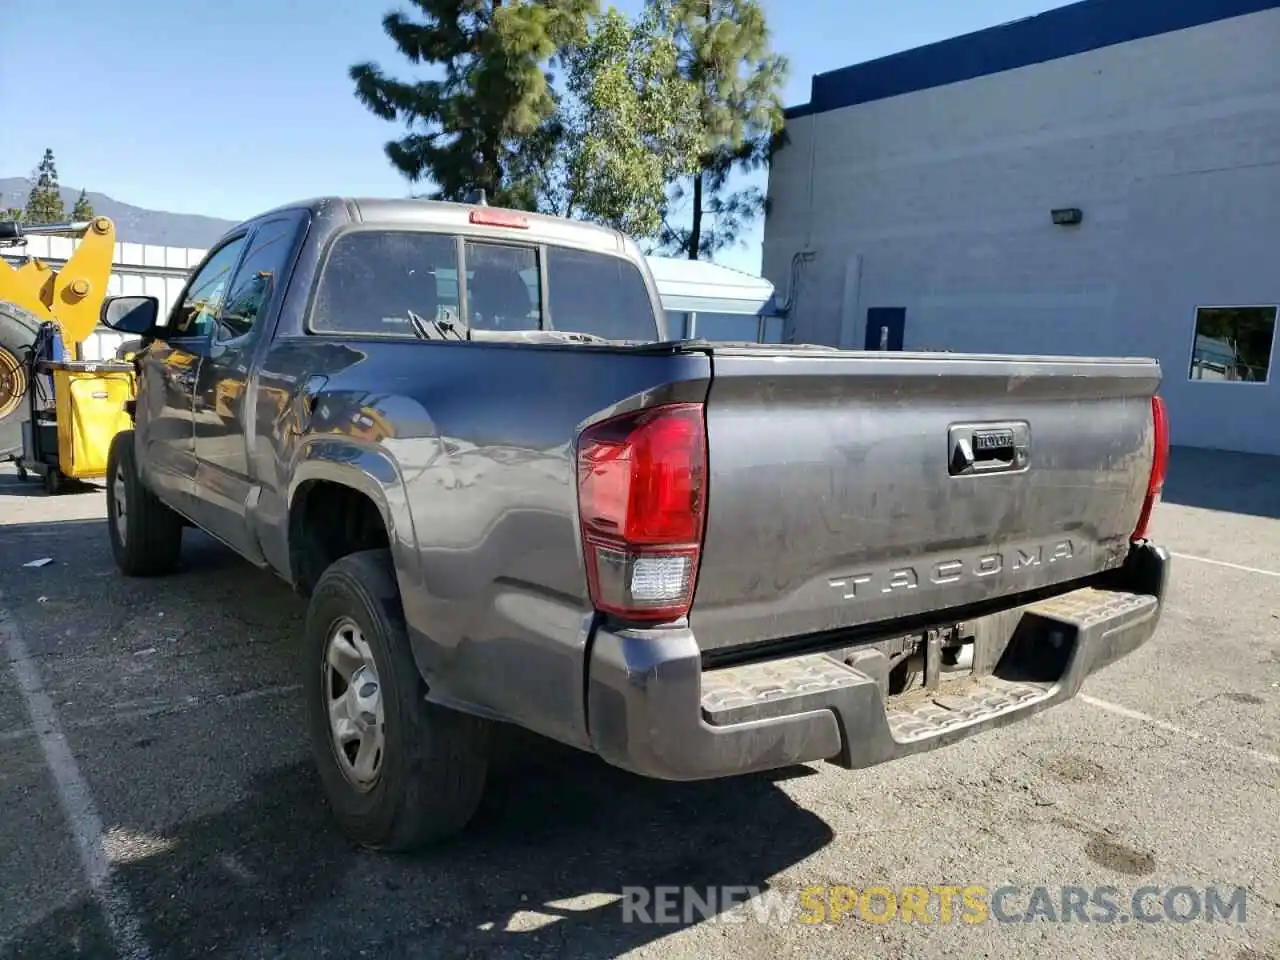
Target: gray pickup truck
463,433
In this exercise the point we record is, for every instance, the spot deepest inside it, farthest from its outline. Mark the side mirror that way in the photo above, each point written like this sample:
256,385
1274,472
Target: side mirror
136,315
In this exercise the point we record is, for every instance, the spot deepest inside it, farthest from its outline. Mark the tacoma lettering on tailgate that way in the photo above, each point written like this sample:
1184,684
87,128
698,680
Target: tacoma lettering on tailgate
976,566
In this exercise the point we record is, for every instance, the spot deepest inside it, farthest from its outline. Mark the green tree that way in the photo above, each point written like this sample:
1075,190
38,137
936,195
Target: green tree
626,129
13,213
83,210
725,53
469,129
44,202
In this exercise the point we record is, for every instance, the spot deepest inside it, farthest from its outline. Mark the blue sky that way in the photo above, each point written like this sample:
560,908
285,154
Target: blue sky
232,107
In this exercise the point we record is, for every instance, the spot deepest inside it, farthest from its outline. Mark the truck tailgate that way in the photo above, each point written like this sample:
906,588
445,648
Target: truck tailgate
851,488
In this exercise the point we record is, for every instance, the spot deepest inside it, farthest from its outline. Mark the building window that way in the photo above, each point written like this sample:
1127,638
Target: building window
1233,344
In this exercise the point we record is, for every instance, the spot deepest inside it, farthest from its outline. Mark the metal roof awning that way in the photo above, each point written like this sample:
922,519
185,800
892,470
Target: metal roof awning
695,286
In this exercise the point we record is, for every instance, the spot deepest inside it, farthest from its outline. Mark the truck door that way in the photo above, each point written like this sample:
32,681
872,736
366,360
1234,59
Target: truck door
170,370
223,406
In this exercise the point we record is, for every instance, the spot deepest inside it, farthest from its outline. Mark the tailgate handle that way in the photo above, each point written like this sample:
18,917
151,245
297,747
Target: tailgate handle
982,448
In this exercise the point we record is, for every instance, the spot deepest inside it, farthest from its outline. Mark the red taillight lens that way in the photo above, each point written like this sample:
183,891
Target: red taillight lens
1159,467
642,488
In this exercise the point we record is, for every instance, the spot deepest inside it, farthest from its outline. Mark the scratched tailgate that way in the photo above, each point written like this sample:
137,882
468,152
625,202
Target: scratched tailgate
849,488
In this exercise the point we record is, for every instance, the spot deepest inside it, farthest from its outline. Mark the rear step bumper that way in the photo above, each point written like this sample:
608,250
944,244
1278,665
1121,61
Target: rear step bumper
654,711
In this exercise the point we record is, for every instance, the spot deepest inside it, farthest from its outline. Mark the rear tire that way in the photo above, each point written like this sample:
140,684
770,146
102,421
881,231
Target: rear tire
18,330
431,762
146,536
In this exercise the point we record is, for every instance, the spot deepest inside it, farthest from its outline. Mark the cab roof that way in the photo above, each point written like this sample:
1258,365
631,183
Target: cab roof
405,211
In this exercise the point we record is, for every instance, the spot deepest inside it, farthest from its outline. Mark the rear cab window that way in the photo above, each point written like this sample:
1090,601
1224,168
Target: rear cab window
599,294
374,280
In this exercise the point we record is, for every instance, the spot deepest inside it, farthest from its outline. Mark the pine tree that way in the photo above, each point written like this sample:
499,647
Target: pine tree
44,202
470,129
83,210
725,52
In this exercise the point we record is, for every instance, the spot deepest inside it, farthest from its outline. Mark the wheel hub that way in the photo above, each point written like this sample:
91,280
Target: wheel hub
13,382
354,700
119,505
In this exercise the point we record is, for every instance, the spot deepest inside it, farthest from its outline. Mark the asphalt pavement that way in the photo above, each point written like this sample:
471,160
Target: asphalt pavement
159,800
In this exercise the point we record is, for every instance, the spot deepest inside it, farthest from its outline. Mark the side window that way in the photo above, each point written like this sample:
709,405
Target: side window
600,294
256,279
502,287
194,315
374,278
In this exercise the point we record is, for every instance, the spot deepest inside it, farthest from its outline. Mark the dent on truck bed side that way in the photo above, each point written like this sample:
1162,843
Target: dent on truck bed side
502,618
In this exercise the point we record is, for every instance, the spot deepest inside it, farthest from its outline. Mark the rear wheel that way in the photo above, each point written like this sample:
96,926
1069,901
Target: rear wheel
398,772
146,536
17,335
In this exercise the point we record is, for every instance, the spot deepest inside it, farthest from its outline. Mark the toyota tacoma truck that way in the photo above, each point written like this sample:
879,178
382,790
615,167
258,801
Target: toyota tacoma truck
509,497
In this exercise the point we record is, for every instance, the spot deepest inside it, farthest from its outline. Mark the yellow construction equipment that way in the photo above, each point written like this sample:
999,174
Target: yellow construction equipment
70,297
58,413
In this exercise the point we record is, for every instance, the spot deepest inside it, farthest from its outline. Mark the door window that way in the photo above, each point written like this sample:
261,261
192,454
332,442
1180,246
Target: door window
255,281
195,314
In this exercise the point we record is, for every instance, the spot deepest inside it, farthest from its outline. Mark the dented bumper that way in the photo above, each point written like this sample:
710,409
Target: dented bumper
653,709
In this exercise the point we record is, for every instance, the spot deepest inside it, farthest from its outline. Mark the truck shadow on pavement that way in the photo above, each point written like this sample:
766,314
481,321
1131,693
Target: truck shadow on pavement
272,876
1244,483
538,873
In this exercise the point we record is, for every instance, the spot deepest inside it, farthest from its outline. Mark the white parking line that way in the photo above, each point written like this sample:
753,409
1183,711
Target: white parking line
1232,566
1172,728
77,803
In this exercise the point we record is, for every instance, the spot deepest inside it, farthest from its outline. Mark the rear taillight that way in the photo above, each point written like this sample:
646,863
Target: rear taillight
642,493
1159,467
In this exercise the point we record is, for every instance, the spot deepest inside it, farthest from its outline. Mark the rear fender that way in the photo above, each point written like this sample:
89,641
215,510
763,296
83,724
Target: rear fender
373,472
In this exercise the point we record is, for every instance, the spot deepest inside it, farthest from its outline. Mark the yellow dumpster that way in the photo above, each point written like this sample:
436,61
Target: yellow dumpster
89,400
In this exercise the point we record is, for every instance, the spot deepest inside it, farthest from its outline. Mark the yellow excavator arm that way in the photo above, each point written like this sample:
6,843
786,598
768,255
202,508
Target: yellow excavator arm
72,296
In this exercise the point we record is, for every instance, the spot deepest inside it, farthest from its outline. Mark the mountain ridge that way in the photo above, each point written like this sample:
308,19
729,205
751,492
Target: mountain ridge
134,224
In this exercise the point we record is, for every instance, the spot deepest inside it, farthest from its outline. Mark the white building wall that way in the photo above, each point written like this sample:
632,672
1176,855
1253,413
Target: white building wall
939,201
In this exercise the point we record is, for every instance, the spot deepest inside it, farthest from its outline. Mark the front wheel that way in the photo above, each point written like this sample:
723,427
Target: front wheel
398,772
146,536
